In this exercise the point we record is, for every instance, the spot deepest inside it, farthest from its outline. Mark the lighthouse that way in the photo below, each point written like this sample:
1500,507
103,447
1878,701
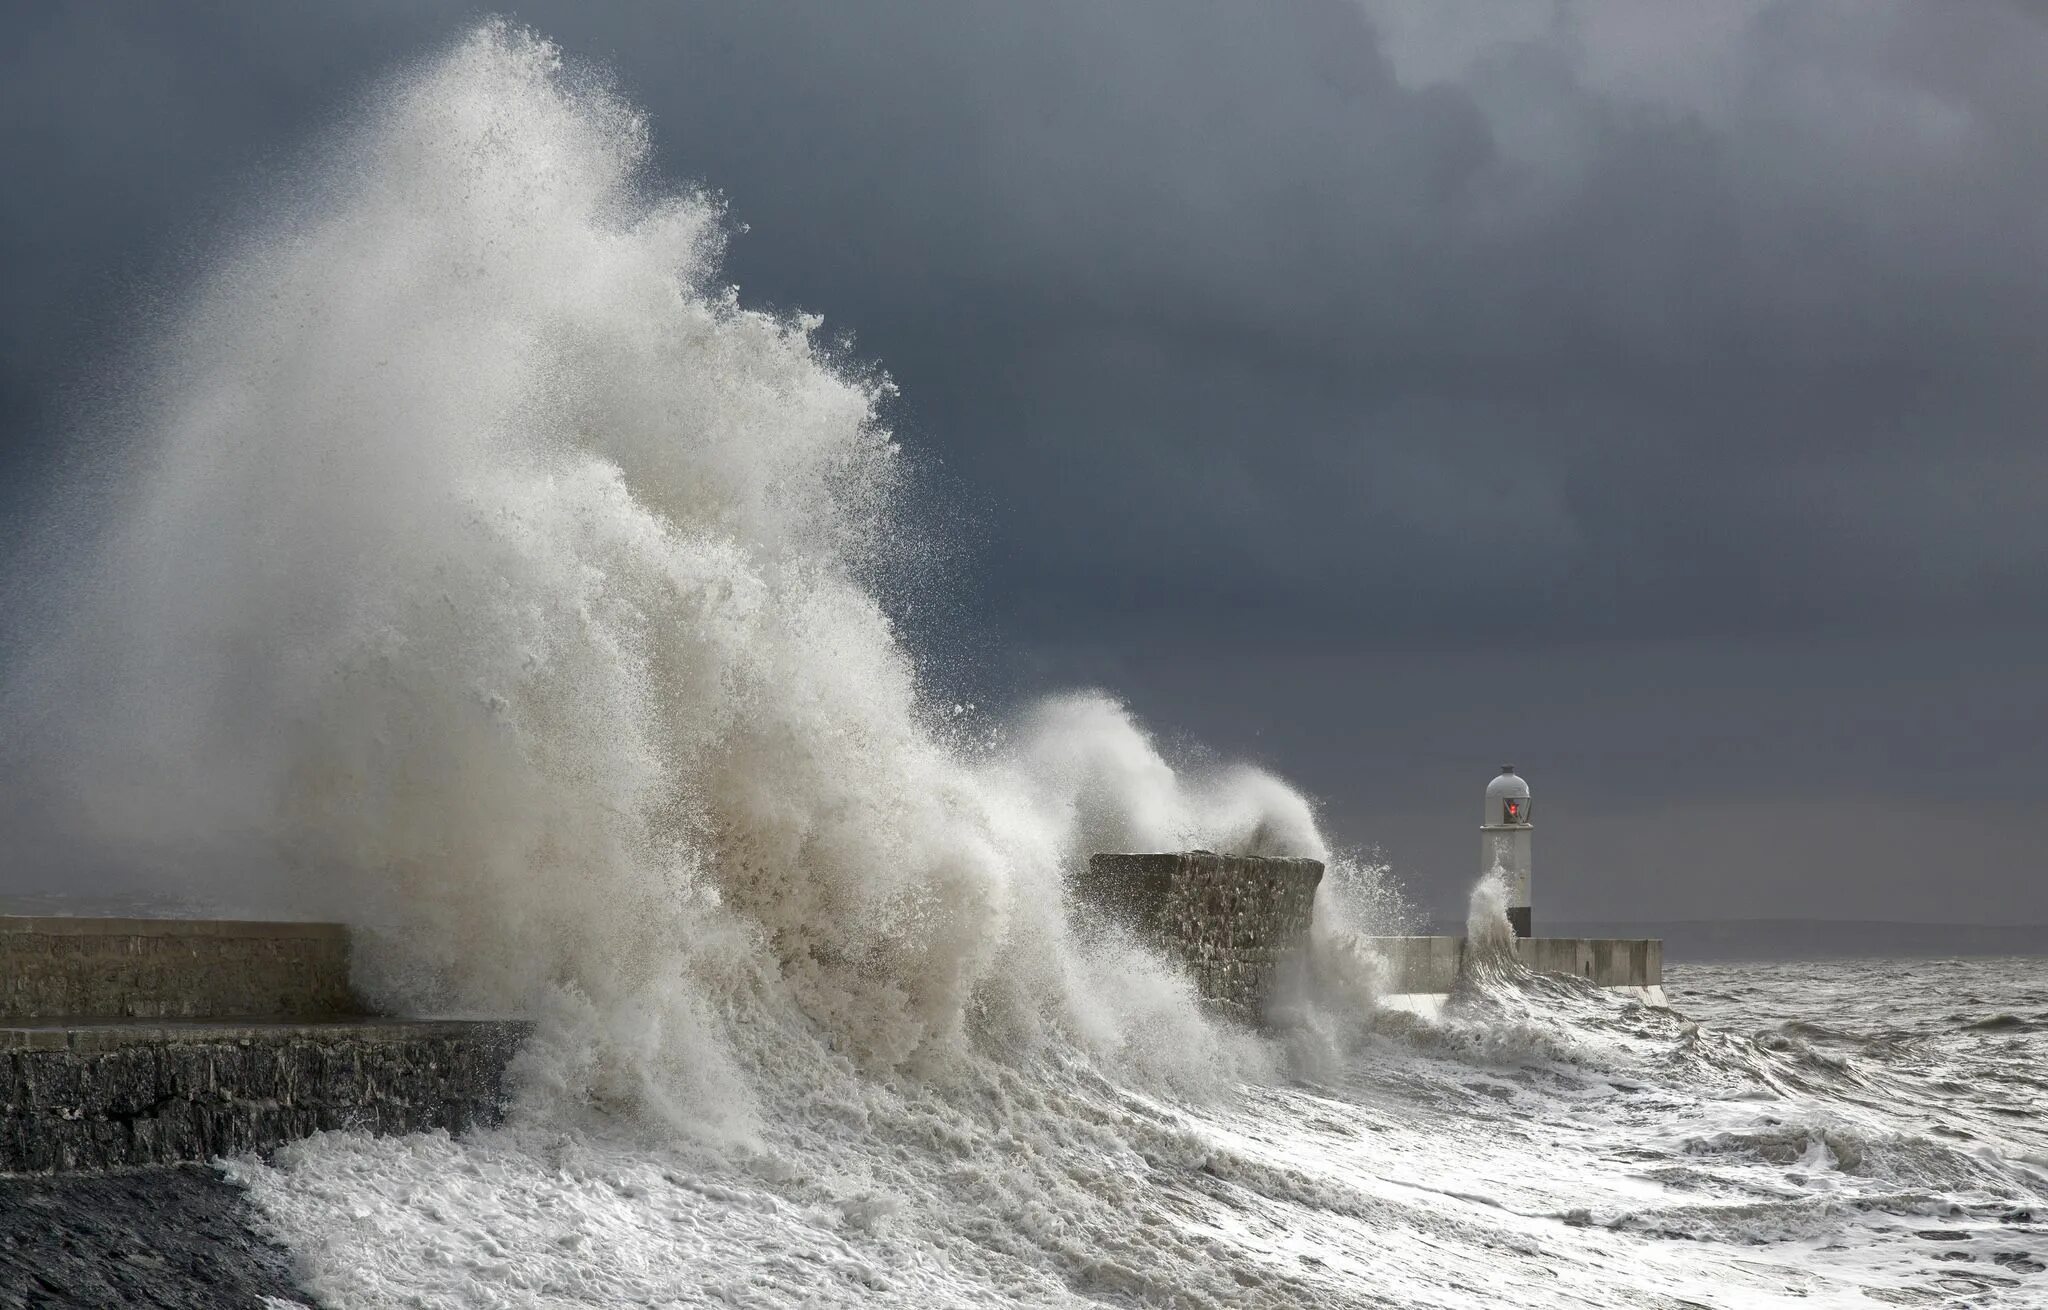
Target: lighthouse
1504,831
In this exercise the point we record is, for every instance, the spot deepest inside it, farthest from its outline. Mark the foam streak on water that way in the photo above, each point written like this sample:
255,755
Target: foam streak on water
494,579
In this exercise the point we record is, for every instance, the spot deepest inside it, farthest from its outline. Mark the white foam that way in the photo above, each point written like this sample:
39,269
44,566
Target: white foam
495,581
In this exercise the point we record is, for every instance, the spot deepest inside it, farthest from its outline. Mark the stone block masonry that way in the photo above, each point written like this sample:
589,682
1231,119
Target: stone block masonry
131,1042
1602,961
70,969
103,1095
1239,922
1431,965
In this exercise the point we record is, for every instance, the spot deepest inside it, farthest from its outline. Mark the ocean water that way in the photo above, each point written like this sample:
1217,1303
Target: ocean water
1841,1133
465,560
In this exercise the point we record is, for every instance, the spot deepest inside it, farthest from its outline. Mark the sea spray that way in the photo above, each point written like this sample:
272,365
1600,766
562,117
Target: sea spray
1488,935
494,579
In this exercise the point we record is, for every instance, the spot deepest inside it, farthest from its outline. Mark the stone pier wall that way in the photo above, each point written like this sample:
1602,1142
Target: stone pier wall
1239,922
104,1095
131,1042
69,969
1431,965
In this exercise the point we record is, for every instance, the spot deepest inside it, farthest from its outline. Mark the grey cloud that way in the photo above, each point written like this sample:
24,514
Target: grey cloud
1154,278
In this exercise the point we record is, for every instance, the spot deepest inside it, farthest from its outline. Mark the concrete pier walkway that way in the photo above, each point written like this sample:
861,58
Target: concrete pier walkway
147,1041
1430,966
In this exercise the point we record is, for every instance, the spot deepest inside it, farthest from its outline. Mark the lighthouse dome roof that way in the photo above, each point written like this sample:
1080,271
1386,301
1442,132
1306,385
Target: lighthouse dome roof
1507,783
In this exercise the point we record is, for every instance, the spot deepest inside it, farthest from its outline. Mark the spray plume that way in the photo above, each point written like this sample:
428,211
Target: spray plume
495,580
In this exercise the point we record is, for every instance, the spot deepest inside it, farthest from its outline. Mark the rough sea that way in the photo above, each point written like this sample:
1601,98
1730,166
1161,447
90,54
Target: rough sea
462,558
1843,1133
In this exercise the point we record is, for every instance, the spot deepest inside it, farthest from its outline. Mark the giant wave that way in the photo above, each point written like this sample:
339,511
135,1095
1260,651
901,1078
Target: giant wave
486,572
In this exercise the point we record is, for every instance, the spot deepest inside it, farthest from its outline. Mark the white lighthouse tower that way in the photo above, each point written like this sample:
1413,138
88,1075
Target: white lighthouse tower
1504,831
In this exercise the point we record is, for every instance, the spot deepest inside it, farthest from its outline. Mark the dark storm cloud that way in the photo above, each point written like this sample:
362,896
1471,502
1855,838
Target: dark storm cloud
1415,333
1510,351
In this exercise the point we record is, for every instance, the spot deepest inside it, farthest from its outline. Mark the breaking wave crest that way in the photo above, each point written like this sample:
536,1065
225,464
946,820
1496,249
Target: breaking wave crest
492,578
495,579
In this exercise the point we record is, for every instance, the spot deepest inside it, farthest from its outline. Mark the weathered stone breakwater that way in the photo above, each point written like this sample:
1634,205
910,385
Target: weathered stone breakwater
1239,922
127,1042
1433,965
65,969
98,1096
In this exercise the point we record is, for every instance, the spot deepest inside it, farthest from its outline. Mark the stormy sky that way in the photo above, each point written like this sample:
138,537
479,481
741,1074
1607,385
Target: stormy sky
1648,394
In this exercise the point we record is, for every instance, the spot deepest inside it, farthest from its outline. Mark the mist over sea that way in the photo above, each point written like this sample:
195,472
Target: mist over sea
485,574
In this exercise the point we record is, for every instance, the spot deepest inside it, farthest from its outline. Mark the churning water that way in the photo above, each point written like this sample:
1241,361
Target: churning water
1545,1144
493,578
